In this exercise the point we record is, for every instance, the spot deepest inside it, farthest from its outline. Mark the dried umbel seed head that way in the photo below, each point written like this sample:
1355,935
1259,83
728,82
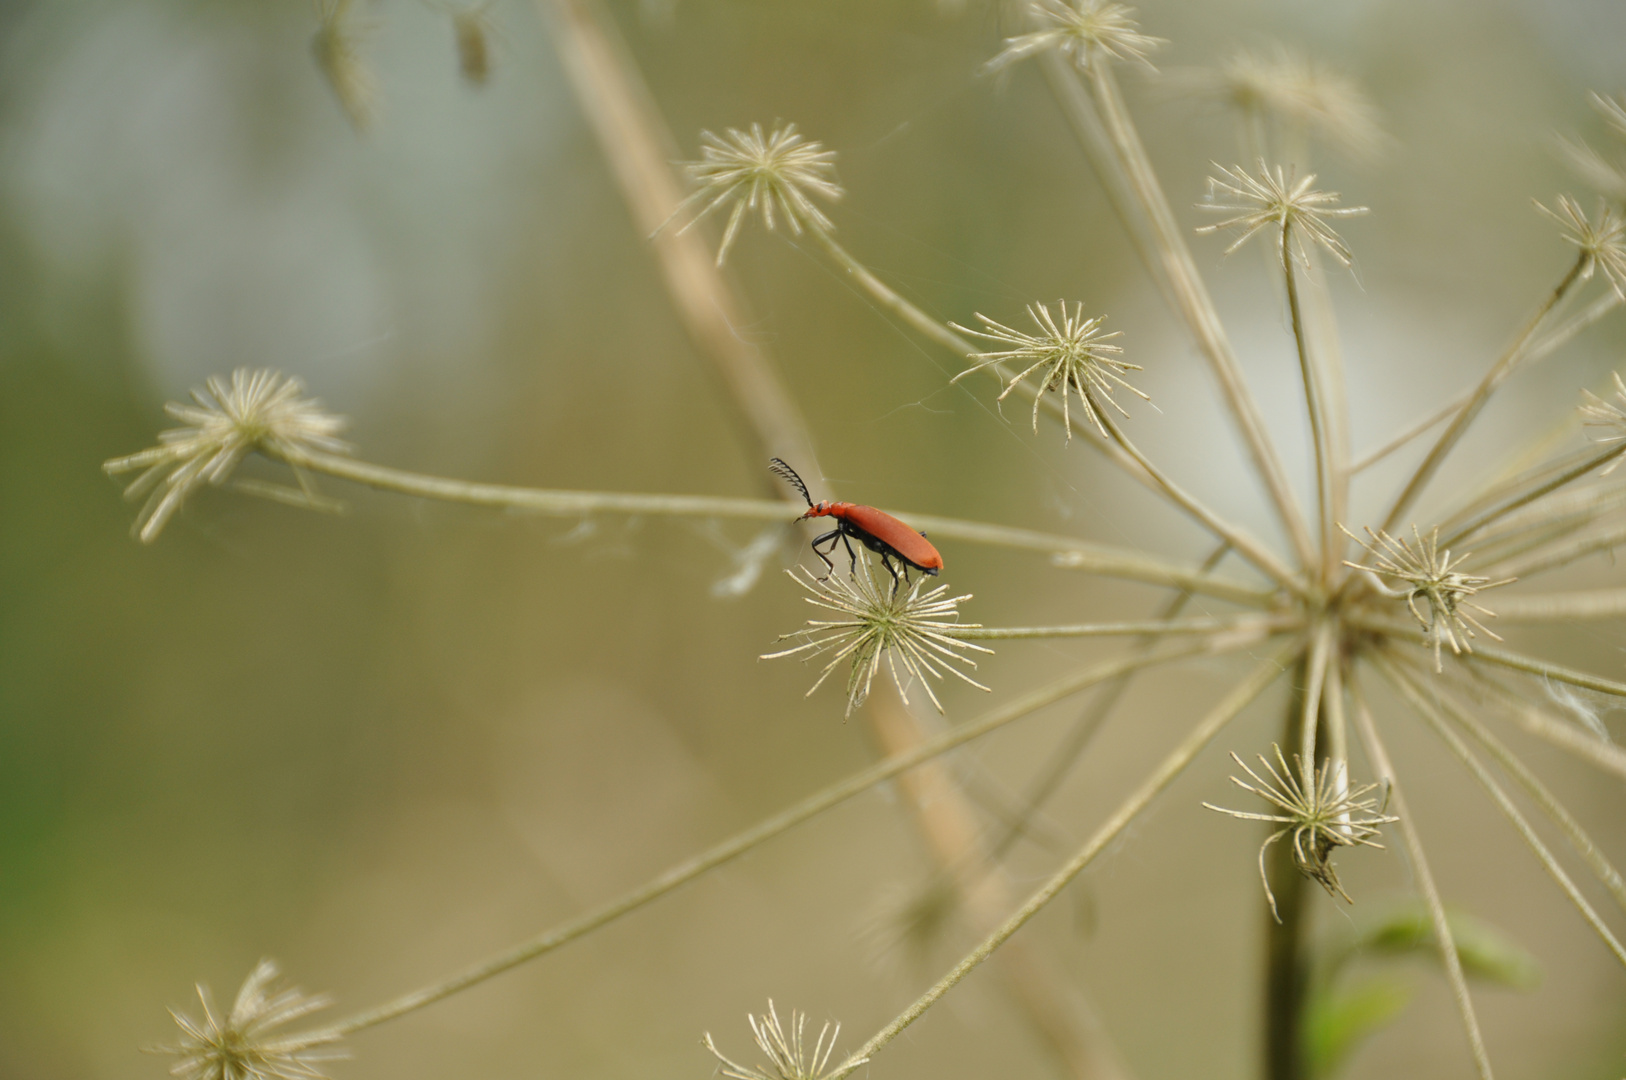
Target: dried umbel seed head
1320,813
257,410
337,47
1084,31
1611,418
772,175
1069,355
1430,577
789,1057
1601,238
239,1045
1285,88
913,631
1274,197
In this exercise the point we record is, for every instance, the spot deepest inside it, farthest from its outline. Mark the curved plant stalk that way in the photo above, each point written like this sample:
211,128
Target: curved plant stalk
1425,706
1499,657
1321,639
1578,548
1470,409
765,830
1092,558
1378,755
1574,472
1246,626
1234,702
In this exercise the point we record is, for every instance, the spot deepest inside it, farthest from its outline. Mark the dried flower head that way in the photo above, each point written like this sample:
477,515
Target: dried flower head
1600,413
1321,813
337,46
1602,241
1273,197
1608,177
767,174
912,630
238,1046
788,1056
258,410
1072,355
1285,87
1431,576
1082,30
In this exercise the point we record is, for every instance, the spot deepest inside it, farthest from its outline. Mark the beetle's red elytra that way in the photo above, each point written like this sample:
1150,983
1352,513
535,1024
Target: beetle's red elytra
875,529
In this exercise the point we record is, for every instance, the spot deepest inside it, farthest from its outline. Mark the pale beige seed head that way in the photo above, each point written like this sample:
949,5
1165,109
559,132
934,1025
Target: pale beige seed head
789,1055
1286,89
773,175
912,630
1601,238
337,45
260,410
1436,591
1085,31
241,1044
1070,355
1273,197
1607,416
1320,813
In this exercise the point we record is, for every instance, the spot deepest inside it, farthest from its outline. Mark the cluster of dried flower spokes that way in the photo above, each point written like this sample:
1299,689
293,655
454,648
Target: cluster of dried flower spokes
241,1044
789,1056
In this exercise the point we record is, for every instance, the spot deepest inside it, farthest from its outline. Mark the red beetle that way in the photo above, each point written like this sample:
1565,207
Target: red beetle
879,531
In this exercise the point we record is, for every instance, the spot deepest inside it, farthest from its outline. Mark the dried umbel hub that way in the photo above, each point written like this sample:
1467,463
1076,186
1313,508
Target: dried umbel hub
256,410
1274,197
789,1057
1070,355
1084,31
1436,592
1320,813
772,175
913,631
239,1045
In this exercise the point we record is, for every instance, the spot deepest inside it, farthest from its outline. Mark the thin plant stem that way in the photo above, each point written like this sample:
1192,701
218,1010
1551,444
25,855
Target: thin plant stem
1575,472
1427,707
1540,350
1245,545
1564,735
1578,548
1092,558
1470,409
1501,490
1286,974
1384,769
639,150
1316,407
1066,756
1499,657
1321,638
1234,702
1245,625
1192,300
765,830
1562,607
1573,832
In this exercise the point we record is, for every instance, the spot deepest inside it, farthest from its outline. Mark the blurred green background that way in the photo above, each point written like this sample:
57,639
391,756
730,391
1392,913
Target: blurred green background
377,747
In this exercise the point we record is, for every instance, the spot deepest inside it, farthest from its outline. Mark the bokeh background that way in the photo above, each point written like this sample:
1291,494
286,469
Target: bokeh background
377,747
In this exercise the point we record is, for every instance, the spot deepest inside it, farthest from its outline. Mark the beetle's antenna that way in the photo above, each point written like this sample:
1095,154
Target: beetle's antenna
788,474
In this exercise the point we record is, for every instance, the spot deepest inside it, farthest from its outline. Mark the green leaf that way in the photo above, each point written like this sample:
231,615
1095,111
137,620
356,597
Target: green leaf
1336,1020
1485,952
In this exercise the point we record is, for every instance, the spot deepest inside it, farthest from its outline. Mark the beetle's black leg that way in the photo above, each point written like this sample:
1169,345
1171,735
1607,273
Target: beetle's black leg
886,561
851,554
817,540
